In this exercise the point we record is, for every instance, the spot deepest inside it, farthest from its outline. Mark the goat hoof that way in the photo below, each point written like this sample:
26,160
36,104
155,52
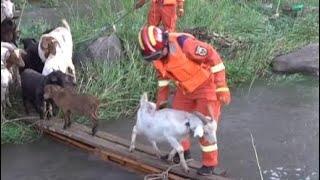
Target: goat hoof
94,131
131,149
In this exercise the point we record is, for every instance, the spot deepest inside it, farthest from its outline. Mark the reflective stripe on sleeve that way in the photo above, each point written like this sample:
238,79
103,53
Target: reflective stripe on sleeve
162,83
217,68
209,148
222,89
151,35
140,41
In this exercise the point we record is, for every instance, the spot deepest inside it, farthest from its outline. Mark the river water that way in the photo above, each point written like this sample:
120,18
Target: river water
283,119
284,122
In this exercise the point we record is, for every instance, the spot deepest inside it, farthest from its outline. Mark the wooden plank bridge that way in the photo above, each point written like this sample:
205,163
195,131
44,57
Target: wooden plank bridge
112,148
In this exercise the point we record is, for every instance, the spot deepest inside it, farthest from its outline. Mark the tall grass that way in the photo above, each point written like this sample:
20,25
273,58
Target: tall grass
119,84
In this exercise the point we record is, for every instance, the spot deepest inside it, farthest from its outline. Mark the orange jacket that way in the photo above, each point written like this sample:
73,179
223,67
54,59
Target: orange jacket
195,67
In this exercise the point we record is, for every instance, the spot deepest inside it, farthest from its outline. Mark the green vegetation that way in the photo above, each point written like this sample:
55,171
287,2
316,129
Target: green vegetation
119,84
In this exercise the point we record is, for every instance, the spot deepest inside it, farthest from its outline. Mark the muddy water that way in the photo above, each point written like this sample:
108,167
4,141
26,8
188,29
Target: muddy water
284,122
50,160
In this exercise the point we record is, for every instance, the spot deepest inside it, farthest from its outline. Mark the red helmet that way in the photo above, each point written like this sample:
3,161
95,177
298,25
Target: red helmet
152,41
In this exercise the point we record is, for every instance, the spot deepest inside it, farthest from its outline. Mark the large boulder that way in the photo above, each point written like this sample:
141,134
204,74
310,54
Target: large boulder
107,48
304,60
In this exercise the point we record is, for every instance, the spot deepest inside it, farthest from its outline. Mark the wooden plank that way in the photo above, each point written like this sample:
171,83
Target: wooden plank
126,143
115,149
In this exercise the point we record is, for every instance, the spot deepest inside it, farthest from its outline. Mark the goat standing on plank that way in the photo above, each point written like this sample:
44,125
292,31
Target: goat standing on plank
172,126
55,50
32,85
71,102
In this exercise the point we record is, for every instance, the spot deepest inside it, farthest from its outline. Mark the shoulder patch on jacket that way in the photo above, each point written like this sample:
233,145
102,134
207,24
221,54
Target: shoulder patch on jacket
201,51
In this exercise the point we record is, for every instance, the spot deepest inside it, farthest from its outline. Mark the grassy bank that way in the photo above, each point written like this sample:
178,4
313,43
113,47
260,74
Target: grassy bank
120,84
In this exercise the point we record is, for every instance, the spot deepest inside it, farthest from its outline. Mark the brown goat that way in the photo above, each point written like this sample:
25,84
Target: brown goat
71,102
14,58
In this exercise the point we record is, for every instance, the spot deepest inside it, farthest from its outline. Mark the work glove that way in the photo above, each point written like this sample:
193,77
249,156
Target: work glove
180,10
224,97
139,4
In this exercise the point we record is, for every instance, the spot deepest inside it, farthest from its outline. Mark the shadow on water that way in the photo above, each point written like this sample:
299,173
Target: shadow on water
284,121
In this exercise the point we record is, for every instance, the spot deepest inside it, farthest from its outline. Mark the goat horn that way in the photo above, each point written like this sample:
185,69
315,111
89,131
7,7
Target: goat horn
201,117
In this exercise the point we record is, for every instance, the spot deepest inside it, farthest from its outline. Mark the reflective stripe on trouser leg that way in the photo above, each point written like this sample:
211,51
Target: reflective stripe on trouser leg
209,153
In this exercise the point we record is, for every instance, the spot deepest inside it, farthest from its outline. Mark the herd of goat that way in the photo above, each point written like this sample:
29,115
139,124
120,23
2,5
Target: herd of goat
43,70
45,73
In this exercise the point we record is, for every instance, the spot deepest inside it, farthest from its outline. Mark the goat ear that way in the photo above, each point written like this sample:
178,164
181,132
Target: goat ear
198,132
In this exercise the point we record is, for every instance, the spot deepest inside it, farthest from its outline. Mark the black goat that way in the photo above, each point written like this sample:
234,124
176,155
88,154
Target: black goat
31,59
33,83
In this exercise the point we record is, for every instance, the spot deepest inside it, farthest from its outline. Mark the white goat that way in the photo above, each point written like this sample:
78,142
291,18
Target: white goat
172,126
6,78
7,9
11,57
55,50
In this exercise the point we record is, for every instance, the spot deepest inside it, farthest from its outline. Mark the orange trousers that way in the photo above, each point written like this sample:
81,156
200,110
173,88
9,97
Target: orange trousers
163,13
189,104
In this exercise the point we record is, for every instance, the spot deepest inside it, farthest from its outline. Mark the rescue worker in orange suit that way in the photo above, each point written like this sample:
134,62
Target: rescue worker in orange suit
199,75
165,11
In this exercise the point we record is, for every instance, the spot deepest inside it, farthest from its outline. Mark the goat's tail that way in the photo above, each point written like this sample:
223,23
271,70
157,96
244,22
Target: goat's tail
65,23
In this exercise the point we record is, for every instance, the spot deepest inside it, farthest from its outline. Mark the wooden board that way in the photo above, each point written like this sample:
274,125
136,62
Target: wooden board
112,148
